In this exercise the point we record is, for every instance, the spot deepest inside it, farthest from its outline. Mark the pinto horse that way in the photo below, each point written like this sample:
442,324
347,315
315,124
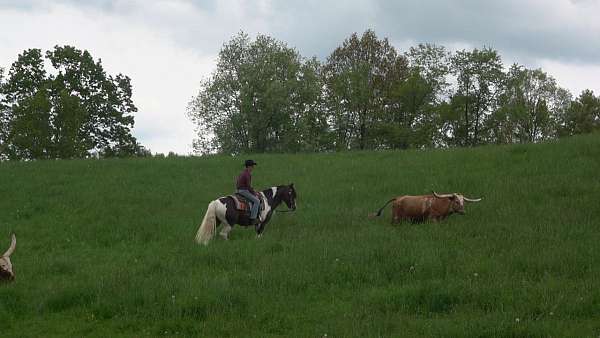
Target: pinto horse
223,210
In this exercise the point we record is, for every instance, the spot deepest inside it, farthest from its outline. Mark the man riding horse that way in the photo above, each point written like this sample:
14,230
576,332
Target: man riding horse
229,210
244,188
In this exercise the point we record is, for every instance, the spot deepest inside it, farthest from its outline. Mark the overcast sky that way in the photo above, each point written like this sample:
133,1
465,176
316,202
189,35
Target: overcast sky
168,47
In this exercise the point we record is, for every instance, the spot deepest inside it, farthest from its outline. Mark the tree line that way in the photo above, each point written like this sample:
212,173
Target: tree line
265,97
72,110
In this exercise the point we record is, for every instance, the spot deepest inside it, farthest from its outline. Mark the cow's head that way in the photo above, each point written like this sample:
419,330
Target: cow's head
457,201
6,271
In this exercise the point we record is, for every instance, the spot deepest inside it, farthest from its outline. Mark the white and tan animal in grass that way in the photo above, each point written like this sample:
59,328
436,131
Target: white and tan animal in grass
6,270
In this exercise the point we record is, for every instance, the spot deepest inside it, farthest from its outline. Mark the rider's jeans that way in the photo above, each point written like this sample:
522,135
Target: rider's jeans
253,199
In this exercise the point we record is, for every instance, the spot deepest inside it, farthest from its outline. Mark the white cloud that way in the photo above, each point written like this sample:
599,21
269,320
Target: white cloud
575,77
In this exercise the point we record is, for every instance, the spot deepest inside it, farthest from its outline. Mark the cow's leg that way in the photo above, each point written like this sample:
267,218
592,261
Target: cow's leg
395,216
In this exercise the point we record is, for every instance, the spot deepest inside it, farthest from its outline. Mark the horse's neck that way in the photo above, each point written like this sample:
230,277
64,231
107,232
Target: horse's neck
273,201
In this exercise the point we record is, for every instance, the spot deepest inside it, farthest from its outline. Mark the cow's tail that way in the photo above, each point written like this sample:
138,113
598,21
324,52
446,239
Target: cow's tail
207,228
11,249
378,213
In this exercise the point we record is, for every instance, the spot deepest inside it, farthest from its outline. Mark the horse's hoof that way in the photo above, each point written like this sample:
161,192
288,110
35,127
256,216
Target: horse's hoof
259,236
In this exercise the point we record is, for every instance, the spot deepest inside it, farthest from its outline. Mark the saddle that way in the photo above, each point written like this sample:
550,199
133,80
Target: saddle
242,203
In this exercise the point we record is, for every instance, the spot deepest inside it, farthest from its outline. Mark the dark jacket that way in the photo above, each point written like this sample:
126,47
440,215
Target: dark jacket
244,181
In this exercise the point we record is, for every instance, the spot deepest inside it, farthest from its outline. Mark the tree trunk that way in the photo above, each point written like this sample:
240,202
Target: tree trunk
477,116
467,119
362,130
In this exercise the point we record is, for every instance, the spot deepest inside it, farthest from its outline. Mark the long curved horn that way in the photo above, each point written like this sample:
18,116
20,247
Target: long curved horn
472,199
13,244
441,196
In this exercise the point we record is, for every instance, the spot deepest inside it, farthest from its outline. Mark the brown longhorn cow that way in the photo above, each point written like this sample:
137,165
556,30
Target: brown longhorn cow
423,207
6,271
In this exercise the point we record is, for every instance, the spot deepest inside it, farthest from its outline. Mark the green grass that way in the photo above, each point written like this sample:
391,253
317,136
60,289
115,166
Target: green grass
105,248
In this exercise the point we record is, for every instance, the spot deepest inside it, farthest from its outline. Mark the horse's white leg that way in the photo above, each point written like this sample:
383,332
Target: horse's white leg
225,231
221,213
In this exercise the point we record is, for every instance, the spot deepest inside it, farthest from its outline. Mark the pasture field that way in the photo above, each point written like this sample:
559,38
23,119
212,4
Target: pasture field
105,247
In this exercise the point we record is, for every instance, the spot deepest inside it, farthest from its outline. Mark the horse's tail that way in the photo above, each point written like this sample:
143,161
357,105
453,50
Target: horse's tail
378,213
207,228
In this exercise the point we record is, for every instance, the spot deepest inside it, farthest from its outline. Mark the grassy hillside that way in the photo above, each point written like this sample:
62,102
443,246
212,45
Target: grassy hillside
105,248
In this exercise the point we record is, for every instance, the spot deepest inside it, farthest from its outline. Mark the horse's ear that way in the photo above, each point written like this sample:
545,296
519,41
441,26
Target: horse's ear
291,185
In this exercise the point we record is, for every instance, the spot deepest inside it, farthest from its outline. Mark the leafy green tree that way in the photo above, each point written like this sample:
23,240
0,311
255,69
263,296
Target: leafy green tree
424,92
68,113
27,114
101,109
479,80
309,110
4,117
261,98
528,107
30,133
410,121
583,116
360,77
432,62
561,115
69,138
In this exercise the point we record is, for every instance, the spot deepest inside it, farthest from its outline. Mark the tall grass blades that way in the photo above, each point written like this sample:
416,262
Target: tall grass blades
107,247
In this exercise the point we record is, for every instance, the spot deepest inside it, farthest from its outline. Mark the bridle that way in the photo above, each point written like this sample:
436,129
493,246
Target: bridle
288,210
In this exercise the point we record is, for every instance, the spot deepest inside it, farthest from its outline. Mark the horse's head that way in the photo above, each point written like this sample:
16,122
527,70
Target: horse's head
288,195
